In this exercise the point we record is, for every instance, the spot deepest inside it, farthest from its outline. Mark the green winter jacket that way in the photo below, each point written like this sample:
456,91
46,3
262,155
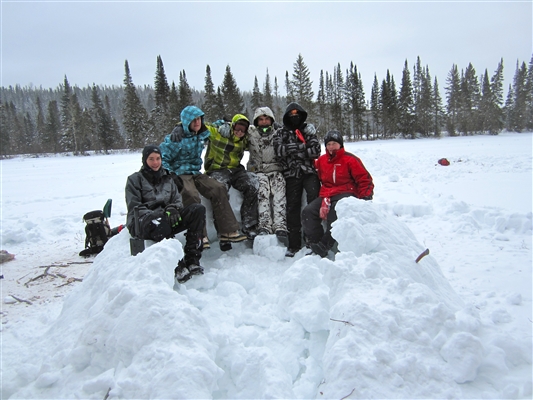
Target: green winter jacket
225,152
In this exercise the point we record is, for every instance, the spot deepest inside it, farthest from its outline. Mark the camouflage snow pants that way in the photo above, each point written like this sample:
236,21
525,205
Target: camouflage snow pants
272,214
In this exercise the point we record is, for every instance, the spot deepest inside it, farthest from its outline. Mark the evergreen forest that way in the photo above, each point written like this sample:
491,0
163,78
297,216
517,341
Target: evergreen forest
102,119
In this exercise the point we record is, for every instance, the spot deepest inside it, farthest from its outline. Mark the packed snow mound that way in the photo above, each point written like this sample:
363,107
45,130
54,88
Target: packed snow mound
372,324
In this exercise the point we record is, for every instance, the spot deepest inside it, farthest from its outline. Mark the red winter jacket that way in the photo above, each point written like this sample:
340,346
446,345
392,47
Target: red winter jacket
344,173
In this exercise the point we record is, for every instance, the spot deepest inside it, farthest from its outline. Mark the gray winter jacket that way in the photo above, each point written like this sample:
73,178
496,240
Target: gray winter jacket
260,145
151,195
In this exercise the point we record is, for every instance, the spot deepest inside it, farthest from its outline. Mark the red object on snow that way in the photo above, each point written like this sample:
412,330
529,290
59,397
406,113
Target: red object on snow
444,161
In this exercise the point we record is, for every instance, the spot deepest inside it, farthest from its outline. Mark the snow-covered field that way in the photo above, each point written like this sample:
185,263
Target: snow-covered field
367,323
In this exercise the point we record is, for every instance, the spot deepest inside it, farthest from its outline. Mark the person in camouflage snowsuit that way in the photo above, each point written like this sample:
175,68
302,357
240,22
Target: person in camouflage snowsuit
297,146
262,161
182,154
222,162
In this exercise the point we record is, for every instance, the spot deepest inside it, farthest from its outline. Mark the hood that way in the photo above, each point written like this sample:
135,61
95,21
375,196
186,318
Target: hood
188,114
239,117
263,111
301,112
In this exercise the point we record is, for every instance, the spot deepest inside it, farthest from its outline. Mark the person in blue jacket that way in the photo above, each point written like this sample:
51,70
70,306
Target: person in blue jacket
182,154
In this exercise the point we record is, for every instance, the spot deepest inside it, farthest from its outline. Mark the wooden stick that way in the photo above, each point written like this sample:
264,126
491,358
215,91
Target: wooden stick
422,255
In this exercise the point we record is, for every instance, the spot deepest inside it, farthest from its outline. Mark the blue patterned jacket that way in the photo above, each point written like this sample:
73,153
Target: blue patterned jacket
182,150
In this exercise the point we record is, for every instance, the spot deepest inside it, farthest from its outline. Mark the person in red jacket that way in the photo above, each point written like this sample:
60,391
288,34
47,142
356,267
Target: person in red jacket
342,174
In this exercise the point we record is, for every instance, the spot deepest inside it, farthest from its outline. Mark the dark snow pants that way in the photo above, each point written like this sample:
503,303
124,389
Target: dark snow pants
312,223
294,189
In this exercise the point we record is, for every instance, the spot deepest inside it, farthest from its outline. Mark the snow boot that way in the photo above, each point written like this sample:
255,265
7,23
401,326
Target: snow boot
181,272
283,237
319,249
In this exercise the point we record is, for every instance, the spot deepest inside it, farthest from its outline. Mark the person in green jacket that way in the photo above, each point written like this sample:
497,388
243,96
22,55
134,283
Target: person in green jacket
224,153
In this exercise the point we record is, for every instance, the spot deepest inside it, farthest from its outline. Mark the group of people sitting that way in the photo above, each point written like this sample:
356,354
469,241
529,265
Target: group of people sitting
284,161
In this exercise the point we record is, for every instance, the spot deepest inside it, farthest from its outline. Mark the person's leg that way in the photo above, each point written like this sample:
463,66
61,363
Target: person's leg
189,193
311,185
217,194
293,192
263,203
327,240
311,221
279,202
192,220
248,184
155,226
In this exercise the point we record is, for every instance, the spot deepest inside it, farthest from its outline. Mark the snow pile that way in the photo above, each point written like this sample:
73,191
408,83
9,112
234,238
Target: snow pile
372,323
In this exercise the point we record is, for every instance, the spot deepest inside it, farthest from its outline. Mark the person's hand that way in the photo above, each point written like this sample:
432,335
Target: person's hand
324,207
291,148
173,215
218,123
225,130
309,129
177,134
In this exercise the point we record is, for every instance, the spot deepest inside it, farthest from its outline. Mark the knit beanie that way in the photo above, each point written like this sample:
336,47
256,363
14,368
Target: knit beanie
149,150
333,136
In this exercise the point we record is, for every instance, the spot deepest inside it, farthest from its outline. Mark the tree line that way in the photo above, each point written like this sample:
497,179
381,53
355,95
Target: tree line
101,119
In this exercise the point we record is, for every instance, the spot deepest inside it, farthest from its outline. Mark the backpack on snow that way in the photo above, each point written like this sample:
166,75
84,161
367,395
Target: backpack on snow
97,232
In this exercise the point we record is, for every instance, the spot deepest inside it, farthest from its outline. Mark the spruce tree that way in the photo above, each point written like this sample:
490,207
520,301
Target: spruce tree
135,117
453,96
291,98
233,101
220,108
529,96
496,88
519,115
267,92
210,97
470,95
424,109
161,87
322,112
184,91
53,128
102,122
40,123
277,110
406,106
301,85
68,136
355,101
173,106
375,108
5,138
438,111
257,96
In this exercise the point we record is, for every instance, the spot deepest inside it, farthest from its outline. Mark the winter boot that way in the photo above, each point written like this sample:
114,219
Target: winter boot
225,246
283,237
319,249
193,252
181,272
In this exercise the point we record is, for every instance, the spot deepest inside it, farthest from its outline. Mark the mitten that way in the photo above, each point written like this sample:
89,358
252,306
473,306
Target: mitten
218,123
309,129
173,215
225,130
291,148
177,134
324,208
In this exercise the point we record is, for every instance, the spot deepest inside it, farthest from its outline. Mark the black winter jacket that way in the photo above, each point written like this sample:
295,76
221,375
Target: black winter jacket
296,156
150,194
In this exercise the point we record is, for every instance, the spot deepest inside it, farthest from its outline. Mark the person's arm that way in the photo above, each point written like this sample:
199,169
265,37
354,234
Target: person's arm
363,180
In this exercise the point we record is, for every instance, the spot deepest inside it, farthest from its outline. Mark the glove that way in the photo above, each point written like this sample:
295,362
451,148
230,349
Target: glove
291,148
225,130
309,129
276,126
324,208
218,123
177,134
173,215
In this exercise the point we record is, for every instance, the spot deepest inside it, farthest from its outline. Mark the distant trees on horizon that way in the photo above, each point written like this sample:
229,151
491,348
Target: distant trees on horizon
94,118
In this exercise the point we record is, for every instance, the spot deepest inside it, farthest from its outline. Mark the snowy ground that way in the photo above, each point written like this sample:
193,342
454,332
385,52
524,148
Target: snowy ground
367,323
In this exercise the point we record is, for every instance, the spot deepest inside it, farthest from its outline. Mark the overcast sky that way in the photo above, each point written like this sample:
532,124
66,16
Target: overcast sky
89,41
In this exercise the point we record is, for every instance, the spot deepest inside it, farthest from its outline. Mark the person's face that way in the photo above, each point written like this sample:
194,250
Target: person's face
154,161
195,125
239,130
263,121
332,146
